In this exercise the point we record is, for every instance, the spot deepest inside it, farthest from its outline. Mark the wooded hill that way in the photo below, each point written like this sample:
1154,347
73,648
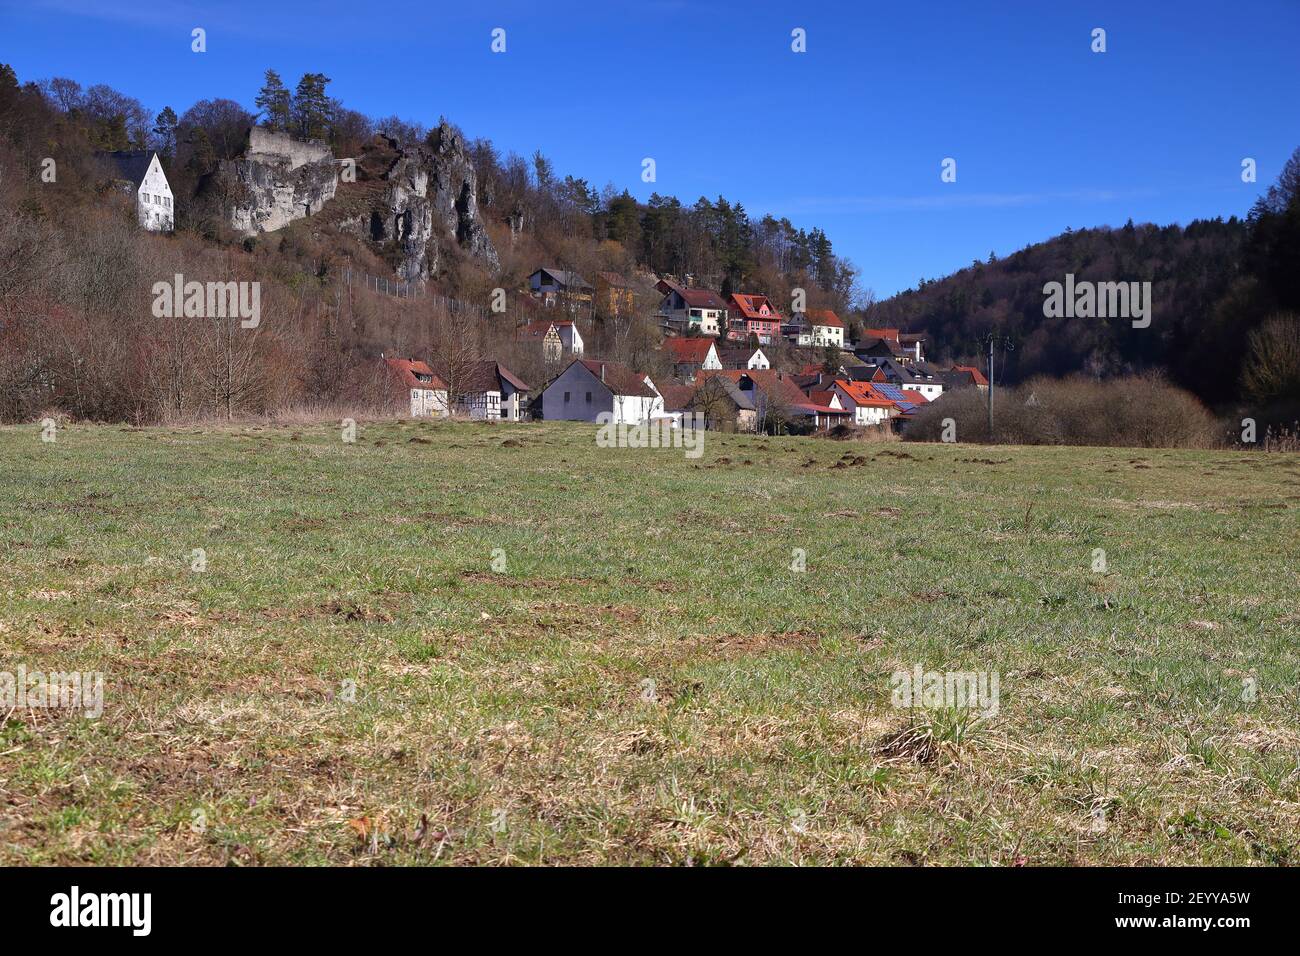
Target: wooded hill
1215,285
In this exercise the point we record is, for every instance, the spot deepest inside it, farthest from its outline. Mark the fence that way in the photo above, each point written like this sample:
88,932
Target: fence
409,290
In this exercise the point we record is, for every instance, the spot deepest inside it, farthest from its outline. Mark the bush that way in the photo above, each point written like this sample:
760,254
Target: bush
1142,412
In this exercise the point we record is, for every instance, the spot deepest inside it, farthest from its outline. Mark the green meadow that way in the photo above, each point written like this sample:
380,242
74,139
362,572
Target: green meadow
454,643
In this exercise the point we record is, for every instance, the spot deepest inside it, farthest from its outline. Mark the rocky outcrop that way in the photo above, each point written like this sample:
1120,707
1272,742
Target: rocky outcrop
416,203
427,206
278,180
455,194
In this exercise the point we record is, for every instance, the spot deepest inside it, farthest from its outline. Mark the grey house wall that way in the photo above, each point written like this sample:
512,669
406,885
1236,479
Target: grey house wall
577,381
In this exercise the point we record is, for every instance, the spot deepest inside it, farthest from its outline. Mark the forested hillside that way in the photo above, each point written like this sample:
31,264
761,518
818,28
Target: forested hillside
1215,285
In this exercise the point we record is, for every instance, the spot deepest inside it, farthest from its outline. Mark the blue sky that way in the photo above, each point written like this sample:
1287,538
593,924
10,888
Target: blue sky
848,136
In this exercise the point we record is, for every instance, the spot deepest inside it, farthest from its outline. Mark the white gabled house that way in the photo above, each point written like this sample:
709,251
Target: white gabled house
140,171
867,405
588,388
488,390
425,392
816,328
559,337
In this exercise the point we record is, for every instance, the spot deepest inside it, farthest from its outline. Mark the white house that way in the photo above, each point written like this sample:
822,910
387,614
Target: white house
737,358
425,392
868,406
692,353
559,338
491,391
917,376
140,171
587,388
819,328
684,309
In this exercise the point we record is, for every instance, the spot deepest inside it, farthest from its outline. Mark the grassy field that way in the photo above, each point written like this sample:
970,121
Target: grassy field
350,680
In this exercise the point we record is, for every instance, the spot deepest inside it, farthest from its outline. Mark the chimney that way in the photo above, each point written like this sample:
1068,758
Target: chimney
602,373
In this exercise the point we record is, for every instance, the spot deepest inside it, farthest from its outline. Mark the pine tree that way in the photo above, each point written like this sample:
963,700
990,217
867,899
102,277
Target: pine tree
311,106
165,130
275,102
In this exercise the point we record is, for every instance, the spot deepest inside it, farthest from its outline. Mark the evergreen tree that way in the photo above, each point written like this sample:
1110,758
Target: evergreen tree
311,106
275,102
165,130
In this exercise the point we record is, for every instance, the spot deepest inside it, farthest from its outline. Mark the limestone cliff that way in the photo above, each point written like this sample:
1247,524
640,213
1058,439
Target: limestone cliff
418,203
415,203
278,179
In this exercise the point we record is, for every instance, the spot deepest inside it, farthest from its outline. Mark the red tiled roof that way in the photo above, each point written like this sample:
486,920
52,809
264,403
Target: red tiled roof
821,397
619,379
824,317
773,384
688,350
863,394
890,334
677,397
915,397
975,374
749,306
702,299
407,370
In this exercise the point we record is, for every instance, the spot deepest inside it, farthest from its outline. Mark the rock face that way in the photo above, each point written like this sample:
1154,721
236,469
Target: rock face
427,205
278,179
455,194
415,203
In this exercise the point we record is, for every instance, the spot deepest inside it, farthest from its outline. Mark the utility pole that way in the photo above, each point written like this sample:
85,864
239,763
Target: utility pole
991,336
1006,345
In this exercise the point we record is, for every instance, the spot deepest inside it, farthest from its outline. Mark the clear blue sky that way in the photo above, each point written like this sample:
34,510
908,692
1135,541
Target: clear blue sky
848,136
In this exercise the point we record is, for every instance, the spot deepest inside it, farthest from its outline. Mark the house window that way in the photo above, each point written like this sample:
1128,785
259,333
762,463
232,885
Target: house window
589,398
566,396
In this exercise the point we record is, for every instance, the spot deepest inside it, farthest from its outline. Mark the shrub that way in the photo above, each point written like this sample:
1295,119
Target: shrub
1141,411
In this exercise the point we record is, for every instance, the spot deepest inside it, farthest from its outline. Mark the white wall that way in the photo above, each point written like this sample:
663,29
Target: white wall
153,199
428,402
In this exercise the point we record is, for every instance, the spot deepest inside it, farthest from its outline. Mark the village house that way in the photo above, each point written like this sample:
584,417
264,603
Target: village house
779,404
906,401
743,357
868,406
676,399
685,310
875,348
722,403
559,287
918,376
140,173
614,294
691,354
490,391
752,315
963,376
588,388
414,382
818,328
905,346
559,337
